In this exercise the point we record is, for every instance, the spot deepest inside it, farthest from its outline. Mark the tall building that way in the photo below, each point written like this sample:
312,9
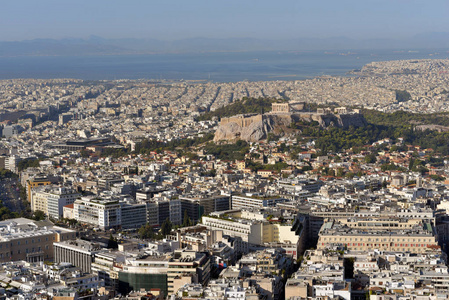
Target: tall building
254,229
196,207
187,266
35,182
105,214
65,118
147,273
11,130
77,252
104,266
134,215
160,210
52,199
11,163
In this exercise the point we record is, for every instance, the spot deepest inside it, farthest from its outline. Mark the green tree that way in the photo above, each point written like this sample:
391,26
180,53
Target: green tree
28,163
402,96
166,227
437,177
39,215
112,242
146,232
187,221
84,153
340,172
370,158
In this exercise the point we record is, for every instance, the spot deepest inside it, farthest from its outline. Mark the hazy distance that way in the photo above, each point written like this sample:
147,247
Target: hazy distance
266,20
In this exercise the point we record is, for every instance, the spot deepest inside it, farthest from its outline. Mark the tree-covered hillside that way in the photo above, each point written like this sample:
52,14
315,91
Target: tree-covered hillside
400,118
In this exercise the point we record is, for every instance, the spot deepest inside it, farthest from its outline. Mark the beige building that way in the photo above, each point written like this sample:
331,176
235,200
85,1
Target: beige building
187,266
296,288
52,199
28,240
364,234
253,228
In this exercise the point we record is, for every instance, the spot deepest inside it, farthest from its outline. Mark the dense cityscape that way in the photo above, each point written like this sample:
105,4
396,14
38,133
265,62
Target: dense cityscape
126,190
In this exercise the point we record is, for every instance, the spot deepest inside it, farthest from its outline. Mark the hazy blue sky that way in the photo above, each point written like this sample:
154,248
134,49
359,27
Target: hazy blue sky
176,19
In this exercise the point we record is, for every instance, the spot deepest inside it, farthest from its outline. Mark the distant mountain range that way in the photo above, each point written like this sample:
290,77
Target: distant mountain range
99,46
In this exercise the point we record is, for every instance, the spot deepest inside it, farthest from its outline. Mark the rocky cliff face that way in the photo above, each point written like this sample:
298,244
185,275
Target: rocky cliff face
342,121
259,130
256,131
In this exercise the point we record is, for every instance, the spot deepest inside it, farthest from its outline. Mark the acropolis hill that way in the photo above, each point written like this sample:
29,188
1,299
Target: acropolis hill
255,127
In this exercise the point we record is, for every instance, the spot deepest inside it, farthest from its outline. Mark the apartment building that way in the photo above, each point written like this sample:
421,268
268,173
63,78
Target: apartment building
204,205
160,210
187,266
105,214
253,201
52,199
134,215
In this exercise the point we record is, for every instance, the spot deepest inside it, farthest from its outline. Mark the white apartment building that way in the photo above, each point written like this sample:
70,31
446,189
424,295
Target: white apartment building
105,214
253,201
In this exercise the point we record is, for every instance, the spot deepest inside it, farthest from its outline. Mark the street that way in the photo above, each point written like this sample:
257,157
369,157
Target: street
9,194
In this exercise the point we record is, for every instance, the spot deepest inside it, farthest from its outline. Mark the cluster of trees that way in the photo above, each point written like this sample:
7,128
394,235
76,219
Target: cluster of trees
234,151
147,231
114,152
6,213
332,140
335,139
256,166
4,173
148,145
437,177
244,106
340,172
400,118
391,167
402,96
28,163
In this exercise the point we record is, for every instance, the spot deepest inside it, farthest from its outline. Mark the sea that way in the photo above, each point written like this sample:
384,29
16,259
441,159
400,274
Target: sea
216,66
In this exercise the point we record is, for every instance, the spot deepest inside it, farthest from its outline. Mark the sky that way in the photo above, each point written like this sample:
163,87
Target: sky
179,19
